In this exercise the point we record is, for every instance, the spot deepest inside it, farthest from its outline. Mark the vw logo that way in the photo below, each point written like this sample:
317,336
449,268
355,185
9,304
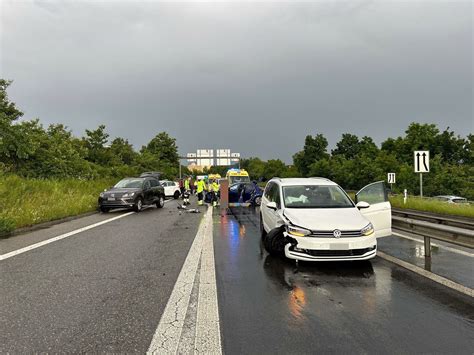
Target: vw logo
337,233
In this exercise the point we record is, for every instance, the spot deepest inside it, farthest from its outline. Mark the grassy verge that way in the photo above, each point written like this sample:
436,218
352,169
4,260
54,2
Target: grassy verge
415,203
25,202
427,205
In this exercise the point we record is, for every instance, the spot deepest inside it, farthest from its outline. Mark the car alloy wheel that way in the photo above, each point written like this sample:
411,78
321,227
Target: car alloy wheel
139,205
161,202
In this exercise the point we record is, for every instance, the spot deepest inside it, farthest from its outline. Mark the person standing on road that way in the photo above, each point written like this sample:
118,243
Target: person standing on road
200,187
215,190
187,190
181,187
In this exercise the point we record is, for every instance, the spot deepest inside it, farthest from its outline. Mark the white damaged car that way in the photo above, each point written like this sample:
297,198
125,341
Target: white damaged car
314,219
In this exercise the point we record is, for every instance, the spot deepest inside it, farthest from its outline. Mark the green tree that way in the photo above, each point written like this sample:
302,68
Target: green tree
348,146
315,148
95,141
123,151
164,148
274,168
254,166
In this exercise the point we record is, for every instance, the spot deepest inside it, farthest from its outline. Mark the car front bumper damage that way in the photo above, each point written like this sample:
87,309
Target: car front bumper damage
330,249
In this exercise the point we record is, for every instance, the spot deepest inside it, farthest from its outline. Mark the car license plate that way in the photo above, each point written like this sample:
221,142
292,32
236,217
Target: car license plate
110,199
339,246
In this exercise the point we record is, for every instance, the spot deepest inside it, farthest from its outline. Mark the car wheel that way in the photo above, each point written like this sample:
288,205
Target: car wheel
274,242
138,205
161,202
104,209
176,195
257,201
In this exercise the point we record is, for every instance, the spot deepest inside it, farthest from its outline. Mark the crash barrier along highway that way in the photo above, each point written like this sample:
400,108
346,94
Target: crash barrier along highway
459,231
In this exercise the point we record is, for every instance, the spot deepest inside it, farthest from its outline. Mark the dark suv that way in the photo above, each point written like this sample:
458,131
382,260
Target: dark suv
133,193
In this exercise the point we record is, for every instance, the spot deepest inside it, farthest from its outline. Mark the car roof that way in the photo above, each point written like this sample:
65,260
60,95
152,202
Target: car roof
449,196
304,181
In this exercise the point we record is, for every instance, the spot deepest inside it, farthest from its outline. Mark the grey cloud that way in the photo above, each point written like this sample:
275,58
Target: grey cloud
253,77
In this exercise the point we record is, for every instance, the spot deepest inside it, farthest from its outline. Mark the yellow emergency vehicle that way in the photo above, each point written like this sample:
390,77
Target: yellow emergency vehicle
237,175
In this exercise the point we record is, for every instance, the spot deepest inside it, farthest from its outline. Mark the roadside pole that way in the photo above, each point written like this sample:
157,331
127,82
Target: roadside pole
421,185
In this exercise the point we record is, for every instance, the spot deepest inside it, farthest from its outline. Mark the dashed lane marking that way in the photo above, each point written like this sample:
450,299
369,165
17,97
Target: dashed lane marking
436,278
62,236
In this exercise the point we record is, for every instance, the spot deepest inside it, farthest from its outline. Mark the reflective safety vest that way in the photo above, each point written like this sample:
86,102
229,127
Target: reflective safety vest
186,184
200,186
215,187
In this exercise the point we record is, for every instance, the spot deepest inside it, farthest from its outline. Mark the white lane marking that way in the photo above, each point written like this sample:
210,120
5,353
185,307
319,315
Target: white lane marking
168,333
436,278
462,252
208,334
59,237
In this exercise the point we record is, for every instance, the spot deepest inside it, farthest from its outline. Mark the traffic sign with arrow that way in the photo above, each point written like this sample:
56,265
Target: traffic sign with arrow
422,161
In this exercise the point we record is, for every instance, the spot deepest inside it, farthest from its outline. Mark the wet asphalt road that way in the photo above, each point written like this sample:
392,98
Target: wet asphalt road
101,290
105,289
268,305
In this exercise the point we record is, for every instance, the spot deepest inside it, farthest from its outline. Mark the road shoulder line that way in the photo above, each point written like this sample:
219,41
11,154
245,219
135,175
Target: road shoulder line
59,237
208,339
436,278
168,332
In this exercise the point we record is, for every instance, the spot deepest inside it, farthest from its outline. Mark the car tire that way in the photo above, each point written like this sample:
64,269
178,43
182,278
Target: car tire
104,209
176,195
138,205
161,202
274,242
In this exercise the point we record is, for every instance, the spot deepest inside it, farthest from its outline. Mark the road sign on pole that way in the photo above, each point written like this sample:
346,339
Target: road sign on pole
422,165
422,161
391,178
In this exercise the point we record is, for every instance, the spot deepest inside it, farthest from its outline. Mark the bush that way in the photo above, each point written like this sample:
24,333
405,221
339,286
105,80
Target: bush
6,226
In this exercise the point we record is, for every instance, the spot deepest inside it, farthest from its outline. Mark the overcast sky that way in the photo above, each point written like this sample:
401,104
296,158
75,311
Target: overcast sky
252,77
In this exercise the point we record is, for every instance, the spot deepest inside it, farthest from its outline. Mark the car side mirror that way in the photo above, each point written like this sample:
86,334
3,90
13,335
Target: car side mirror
362,204
272,206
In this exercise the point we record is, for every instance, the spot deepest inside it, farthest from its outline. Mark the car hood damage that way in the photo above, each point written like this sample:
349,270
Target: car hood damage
327,219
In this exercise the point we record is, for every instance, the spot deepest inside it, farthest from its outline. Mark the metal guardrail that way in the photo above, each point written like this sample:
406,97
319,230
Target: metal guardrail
459,231
454,221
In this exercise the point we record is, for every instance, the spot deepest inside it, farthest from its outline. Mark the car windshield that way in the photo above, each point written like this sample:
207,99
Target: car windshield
130,183
459,200
313,196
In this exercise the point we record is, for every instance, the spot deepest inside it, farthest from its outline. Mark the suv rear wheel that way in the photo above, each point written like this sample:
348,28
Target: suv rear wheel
161,202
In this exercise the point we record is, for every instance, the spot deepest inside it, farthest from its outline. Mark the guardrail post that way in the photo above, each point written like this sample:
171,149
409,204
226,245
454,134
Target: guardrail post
427,247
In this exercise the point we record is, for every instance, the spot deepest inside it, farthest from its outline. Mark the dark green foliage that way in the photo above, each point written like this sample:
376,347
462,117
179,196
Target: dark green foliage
30,150
356,162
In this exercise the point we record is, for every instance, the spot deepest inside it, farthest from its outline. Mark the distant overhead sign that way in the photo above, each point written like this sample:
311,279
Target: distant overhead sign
391,178
422,161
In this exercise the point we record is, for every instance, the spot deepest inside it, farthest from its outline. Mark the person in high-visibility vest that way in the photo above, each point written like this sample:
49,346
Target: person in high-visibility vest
187,190
215,188
200,187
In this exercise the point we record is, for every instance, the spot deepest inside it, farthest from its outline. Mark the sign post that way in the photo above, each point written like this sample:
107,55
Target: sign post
422,165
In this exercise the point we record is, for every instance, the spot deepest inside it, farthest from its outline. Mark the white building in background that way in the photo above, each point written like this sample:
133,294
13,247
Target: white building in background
206,158
223,157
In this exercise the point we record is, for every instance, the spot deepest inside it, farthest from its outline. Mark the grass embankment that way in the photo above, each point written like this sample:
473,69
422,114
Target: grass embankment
24,202
428,205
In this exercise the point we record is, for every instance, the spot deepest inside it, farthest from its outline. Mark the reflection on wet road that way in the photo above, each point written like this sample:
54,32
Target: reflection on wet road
269,305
